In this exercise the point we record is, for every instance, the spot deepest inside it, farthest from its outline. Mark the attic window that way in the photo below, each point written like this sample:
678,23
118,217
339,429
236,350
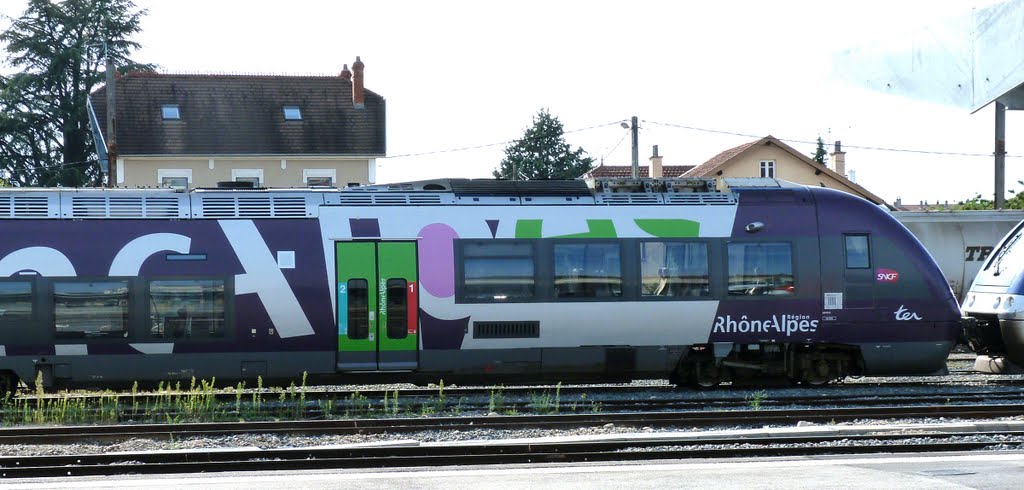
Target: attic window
292,113
170,111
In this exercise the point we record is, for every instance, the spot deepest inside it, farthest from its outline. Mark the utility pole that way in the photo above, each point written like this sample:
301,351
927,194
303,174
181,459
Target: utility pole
1000,154
111,121
636,148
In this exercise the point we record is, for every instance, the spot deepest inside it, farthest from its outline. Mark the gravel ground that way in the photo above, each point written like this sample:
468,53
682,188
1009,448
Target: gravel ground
269,441
864,386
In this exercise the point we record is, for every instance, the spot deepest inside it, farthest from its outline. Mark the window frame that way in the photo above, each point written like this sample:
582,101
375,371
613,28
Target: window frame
319,173
349,327
173,173
460,270
291,110
794,270
131,318
625,284
768,167
846,250
166,112
244,174
33,313
709,248
144,323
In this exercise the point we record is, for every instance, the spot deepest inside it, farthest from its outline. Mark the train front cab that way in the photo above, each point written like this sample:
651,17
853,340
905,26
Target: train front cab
994,326
861,295
882,292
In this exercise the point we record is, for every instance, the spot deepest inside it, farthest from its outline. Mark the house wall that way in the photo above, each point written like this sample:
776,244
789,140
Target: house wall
276,171
787,167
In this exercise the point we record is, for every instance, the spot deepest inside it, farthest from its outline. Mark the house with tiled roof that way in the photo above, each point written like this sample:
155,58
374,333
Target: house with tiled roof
654,169
271,130
626,171
769,157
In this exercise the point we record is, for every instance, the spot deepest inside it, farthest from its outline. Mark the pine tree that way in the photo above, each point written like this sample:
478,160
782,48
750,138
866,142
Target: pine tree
59,49
542,153
819,153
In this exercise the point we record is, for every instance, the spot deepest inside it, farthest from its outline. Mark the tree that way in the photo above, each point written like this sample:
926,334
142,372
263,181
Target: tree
542,153
1016,201
59,47
819,153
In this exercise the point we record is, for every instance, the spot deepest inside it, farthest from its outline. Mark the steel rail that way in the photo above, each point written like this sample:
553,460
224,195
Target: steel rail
73,434
500,452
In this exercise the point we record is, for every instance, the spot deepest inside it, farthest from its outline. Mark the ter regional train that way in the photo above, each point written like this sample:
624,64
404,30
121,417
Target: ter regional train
995,303
467,281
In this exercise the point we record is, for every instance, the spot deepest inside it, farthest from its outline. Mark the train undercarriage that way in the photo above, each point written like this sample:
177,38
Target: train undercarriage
708,365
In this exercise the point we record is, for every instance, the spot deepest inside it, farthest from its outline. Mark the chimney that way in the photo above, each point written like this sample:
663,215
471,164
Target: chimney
839,159
345,74
655,172
358,100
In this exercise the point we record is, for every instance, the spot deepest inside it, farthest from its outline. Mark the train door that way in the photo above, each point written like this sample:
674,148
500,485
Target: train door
858,274
377,306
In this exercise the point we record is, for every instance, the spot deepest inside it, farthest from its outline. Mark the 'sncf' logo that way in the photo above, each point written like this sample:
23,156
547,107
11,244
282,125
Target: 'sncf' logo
886,275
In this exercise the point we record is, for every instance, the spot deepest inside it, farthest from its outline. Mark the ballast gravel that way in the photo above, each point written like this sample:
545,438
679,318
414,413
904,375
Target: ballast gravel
863,386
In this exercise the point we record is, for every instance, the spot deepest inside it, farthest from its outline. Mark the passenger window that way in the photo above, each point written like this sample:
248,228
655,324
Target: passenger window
15,302
191,309
497,272
858,255
88,310
674,269
588,270
397,309
761,269
358,309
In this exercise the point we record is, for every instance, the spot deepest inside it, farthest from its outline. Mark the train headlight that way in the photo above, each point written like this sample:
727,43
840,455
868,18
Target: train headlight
970,301
1008,303
996,304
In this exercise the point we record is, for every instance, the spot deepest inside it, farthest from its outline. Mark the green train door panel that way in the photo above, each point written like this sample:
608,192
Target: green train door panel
378,295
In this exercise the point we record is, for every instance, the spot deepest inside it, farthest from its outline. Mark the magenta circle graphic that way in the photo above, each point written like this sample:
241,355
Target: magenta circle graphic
437,260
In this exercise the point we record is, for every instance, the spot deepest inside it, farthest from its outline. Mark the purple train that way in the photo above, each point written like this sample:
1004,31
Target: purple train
467,281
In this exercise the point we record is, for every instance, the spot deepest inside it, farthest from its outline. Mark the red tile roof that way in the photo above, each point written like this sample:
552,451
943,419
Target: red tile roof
709,167
626,171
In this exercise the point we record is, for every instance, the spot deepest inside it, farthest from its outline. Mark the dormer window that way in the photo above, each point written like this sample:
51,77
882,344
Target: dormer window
170,111
292,113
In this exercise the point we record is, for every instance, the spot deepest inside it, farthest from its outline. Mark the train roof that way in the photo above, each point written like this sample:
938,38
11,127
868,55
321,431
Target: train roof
226,203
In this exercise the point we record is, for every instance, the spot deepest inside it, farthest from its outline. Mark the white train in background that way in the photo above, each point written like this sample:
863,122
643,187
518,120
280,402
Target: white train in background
960,241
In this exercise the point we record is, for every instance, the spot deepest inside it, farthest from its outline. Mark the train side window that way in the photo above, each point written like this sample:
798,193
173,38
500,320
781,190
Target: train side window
398,314
858,252
674,269
497,272
588,270
761,269
89,310
15,302
358,309
191,309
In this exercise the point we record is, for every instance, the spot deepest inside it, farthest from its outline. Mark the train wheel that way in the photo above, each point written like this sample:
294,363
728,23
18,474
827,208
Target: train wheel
817,372
706,375
8,385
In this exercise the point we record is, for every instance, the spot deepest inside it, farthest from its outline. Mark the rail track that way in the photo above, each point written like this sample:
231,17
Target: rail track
681,419
661,448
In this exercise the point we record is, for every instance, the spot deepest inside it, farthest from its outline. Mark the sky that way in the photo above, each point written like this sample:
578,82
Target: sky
462,79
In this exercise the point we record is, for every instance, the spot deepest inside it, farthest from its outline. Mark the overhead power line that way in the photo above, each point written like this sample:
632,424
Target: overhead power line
858,147
488,145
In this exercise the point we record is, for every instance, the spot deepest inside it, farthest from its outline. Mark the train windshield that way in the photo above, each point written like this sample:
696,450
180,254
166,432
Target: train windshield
1002,266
